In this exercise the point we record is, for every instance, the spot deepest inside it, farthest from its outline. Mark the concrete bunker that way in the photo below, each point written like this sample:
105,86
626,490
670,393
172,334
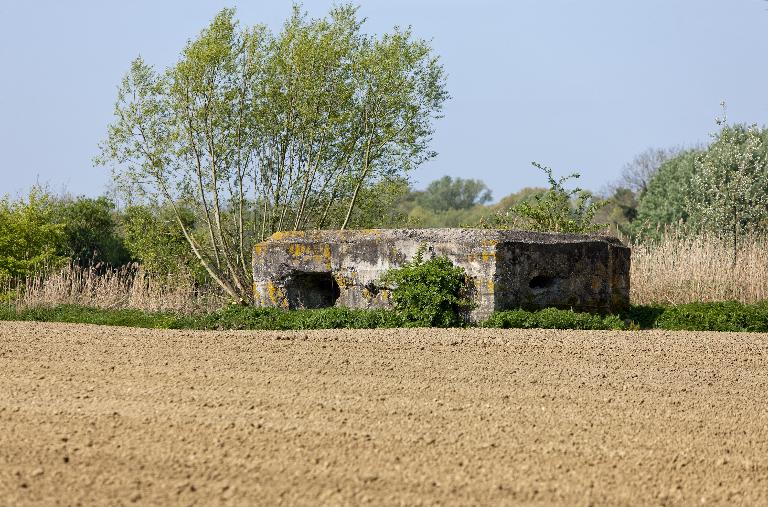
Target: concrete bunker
506,269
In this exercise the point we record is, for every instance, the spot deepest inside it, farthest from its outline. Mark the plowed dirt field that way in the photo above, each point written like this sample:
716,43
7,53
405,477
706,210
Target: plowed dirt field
110,416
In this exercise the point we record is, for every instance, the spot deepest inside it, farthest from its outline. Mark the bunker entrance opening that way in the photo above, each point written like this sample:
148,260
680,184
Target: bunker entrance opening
540,282
311,290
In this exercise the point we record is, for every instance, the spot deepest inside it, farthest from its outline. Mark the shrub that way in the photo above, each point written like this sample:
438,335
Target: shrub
248,317
431,293
555,210
552,318
155,239
726,316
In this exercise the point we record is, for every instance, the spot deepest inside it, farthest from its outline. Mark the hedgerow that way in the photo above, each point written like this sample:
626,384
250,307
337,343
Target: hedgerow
724,316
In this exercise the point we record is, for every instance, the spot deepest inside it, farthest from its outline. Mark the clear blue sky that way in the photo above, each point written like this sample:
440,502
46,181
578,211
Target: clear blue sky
578,85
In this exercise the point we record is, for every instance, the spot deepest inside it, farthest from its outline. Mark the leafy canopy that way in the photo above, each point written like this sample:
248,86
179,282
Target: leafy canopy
729,187
90,228
30,237
664,201
454,194
255,132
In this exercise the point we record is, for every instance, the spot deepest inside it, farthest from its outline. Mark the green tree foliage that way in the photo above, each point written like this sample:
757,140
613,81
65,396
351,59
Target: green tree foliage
258,132
379,205
422,217
664,201
419,216
153,238
556,210
453,194
30,237
91,232
525,194
729,189
619,212
429,293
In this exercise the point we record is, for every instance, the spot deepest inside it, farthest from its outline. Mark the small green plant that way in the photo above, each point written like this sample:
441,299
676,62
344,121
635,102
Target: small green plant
722,316
556,210
553,318
252,318
429,293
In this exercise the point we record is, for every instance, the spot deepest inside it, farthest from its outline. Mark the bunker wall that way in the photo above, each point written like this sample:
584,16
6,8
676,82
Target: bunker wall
506,269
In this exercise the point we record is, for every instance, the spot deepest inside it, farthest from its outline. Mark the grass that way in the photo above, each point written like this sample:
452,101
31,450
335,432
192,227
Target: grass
233,317
681,268
721,316
127,288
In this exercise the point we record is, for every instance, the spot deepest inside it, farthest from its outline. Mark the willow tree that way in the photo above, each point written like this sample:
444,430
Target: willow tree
257,132
729,188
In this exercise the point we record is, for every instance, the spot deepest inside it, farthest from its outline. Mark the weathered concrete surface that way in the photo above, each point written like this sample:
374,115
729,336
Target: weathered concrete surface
507,269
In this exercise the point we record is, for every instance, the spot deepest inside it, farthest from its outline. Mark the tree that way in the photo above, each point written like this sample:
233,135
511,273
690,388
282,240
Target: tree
515,198
90,230
729,188
153,238
637,174
664,201
454,194
257,132
30,237
378,205
620,211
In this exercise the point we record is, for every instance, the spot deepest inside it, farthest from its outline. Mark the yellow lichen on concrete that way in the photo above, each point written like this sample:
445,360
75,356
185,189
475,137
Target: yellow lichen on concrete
276,295
318,253
484,285
344,281
488,256
326,255
287,234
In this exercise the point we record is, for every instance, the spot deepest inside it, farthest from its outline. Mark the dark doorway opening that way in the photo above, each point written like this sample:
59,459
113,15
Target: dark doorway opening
540,282
311,290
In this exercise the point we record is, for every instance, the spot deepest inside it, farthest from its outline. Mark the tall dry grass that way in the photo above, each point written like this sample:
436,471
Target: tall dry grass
684,269
129,287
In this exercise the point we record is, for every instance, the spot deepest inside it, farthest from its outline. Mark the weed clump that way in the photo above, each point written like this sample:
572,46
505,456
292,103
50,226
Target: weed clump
429,293
553,318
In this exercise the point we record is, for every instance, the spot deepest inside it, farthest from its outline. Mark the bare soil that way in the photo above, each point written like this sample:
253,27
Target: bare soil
114,416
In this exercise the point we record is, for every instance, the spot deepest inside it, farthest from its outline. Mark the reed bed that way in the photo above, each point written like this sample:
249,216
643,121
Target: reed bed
129,287
682,268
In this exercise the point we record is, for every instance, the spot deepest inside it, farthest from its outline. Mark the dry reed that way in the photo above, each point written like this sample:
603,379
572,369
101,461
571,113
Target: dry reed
681,268
129,287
